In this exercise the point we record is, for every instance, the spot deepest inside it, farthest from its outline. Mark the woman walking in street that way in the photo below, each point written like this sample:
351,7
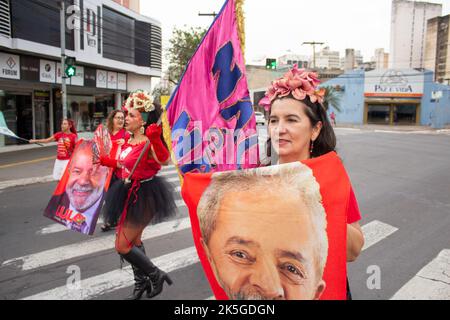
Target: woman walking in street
142,198
66,140
115,125
299,130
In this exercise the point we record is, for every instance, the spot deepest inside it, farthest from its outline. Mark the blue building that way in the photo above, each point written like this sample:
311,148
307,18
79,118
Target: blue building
391,97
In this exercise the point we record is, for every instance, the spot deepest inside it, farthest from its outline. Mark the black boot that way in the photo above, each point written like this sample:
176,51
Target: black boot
157,277
141,281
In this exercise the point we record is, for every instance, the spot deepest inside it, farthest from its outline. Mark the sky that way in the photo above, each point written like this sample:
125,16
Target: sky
275,27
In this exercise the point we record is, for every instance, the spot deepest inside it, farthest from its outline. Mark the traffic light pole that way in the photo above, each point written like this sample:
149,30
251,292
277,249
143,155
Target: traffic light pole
63,60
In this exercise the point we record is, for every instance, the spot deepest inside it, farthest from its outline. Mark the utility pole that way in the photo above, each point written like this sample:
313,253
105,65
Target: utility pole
313,44
63,59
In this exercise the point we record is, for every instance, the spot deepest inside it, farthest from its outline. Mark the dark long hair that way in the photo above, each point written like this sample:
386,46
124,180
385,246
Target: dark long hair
326,141
153,117
71,126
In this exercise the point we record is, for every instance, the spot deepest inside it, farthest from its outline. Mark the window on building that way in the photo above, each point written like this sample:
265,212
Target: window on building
39,21
118,36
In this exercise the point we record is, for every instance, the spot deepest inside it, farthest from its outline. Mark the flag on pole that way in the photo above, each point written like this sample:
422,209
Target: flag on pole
209,121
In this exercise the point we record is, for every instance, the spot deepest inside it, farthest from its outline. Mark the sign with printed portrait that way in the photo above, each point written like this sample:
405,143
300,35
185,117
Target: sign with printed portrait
275,232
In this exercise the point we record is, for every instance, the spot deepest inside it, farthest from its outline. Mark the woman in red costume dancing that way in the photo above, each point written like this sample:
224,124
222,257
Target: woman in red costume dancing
144,197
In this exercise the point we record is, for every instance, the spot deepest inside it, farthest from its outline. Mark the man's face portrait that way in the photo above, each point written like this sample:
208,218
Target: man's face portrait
266,245
262,249
86,181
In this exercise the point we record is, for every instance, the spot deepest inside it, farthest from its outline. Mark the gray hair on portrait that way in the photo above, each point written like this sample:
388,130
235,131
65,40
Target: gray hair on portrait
273,179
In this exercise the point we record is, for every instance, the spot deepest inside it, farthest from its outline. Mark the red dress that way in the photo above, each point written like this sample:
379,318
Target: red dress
147,199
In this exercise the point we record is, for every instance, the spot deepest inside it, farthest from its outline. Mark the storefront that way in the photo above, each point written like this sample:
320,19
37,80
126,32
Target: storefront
393,97
30,96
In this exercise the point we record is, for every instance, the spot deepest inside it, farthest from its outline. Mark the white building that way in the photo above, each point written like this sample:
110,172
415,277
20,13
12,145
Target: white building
381,59
117,51
408,32
328,59
350,59
290,59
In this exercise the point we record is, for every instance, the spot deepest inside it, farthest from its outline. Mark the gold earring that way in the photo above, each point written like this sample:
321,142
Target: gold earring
142,130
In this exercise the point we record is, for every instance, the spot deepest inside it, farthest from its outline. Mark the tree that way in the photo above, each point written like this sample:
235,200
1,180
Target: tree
332,97
182,47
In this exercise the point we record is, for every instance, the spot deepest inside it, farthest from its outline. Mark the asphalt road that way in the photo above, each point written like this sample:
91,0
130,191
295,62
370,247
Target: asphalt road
401,180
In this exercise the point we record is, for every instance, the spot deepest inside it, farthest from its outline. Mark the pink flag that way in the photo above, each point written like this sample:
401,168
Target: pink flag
210,114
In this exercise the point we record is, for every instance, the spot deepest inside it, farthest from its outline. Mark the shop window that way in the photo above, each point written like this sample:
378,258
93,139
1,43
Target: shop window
378,114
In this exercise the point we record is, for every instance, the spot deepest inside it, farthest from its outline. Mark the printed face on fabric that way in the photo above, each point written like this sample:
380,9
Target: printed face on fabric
266,244
290,128
86,180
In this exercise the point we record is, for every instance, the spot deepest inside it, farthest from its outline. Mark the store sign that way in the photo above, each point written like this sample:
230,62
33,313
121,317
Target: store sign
59,73
29,68
122,81
78,78
48,71
90,77
102,79
10,66
112,80
394,83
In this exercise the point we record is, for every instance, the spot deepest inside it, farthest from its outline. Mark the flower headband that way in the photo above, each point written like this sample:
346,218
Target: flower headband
297,82
140,100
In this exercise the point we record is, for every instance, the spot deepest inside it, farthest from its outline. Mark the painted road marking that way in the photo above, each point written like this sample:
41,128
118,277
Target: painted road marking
111,281
376,231
48,257
26,162
432,282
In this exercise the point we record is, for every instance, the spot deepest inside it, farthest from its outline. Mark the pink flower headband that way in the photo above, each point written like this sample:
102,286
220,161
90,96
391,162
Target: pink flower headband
299,83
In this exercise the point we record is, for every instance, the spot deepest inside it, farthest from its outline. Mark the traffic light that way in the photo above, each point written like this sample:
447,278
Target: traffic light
71,70
271,64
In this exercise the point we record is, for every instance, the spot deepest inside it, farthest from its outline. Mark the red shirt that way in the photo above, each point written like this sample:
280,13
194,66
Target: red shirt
66,145
353,214
121,134
146,169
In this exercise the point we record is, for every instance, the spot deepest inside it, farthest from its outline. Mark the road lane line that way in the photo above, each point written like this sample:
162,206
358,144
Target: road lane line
52,256
117,279
432,282
376,231
10,165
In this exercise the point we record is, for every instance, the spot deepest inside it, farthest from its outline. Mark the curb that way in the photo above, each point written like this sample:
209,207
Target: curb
24,182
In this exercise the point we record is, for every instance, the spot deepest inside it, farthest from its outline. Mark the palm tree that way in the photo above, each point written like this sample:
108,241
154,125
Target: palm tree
332,97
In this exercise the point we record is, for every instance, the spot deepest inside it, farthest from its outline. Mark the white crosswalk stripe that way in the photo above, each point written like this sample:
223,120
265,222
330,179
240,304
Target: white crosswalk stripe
375,232
117,279
430,283
48,257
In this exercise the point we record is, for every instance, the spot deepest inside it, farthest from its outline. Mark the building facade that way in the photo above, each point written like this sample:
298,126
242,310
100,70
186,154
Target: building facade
437,53
116,51
134,5
408,32
392,97
328,59
381,59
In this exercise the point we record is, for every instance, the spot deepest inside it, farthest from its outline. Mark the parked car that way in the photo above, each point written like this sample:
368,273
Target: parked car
260,119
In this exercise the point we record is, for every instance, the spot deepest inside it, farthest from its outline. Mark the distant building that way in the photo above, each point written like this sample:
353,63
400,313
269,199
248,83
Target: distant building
437,53
392,97
289,59
117,51
328,59
408,32
381,59
130,4
350,59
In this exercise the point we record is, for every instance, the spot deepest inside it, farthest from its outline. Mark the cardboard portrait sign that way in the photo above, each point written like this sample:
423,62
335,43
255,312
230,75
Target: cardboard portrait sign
78,198
275,232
